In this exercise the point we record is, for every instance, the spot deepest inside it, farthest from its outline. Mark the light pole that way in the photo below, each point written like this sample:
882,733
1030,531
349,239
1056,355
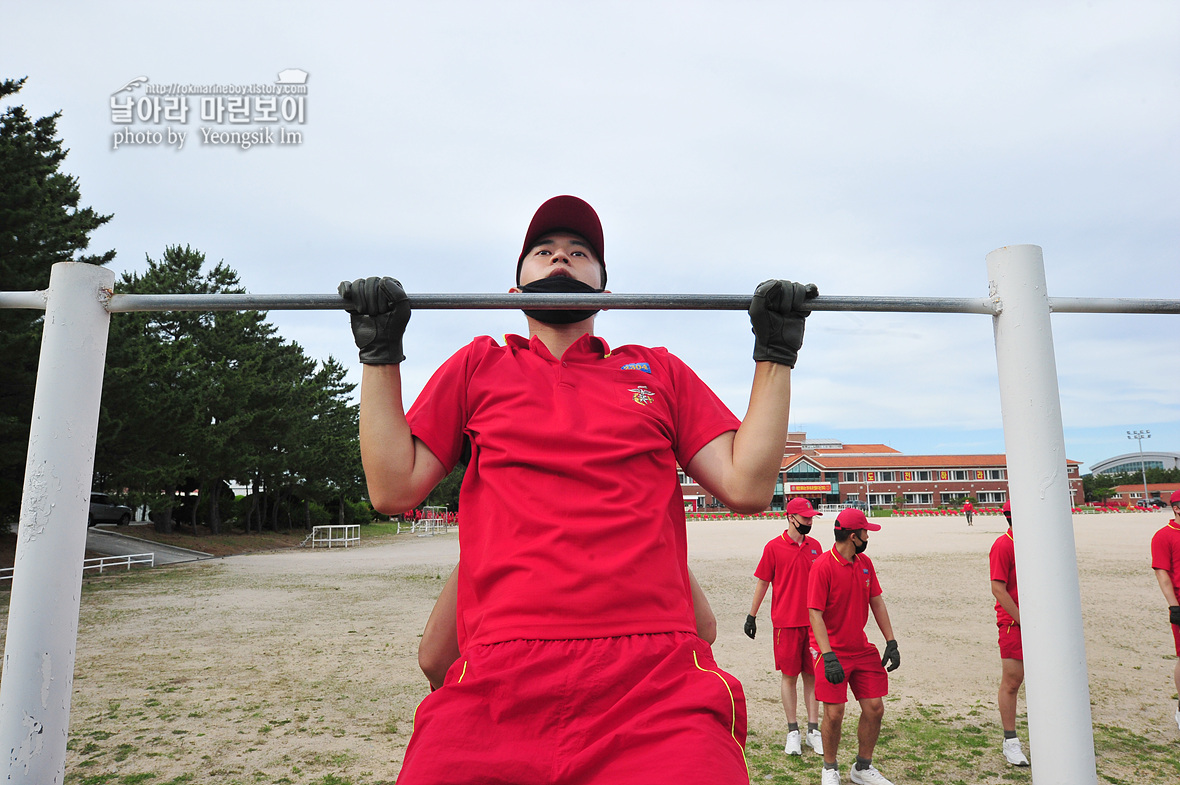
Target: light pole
1140,436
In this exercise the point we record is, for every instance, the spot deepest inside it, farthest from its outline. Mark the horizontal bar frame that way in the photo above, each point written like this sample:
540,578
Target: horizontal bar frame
138,303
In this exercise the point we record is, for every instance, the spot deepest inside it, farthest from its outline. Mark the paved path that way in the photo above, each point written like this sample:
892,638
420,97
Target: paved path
100,539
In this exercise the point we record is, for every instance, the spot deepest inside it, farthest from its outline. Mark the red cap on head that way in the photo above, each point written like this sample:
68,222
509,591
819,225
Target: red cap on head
1174,498
1007,507
569,214
852,519
801,506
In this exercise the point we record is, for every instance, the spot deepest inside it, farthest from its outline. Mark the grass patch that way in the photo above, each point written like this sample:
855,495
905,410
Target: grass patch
930,744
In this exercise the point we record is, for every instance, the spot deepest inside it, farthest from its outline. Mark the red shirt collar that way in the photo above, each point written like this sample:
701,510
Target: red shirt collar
588,347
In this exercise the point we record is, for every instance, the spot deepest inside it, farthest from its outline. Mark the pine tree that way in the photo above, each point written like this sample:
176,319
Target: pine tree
41,224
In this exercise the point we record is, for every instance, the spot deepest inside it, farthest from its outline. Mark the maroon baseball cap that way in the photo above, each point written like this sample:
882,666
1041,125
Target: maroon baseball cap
565,214
851,519
801,506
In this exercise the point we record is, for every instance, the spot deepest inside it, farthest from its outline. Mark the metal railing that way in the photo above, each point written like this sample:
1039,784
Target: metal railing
100,563
335,534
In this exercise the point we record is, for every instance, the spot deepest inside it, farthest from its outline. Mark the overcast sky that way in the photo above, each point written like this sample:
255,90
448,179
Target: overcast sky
871,148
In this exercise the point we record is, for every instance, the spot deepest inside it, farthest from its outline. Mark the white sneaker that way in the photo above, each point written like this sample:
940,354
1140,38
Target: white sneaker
1178,718
1013,753
815,740
830,777
794,745
869,776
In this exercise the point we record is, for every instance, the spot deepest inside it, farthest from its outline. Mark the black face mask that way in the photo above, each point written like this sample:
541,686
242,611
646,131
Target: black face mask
559,284
803,528
861,548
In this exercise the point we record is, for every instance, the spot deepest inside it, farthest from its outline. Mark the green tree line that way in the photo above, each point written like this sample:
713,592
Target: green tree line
191,401
41,224
195,400
1100,487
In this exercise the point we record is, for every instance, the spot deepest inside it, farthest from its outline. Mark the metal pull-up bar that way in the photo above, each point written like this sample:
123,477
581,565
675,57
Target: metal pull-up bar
130,303
46,587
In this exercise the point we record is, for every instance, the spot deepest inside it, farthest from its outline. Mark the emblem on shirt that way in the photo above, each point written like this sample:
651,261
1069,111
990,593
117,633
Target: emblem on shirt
636,367
641,395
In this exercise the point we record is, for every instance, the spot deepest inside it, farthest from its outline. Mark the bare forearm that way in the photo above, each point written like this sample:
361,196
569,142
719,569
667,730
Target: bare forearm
758,443
740,467
881,614
1165,581
1000,592
439,646
396,477
706,620
820,629
759,594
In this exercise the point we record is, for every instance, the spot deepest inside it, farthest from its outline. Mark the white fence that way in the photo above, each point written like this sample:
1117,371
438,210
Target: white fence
101,563
336,534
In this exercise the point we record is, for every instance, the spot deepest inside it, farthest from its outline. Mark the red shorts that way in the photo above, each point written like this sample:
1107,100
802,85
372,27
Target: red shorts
863,672
632,709
791,649
1011,647
1176,638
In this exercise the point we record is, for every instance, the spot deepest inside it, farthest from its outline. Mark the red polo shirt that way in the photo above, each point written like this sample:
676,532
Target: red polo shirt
573,516
841,589
1165,552
1003,568
785,566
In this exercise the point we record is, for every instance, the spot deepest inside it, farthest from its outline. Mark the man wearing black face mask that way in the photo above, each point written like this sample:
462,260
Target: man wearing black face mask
785,564
579,654
841,591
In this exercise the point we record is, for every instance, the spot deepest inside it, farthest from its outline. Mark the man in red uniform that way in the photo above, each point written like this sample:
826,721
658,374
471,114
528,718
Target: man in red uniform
969,511
1165,560
841,591
579,658
1003,576
785,565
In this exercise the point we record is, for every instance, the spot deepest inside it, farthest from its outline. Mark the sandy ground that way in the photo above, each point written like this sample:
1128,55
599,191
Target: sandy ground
292,667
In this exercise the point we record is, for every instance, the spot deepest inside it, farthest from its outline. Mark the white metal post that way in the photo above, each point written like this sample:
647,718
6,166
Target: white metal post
1057,684
51,543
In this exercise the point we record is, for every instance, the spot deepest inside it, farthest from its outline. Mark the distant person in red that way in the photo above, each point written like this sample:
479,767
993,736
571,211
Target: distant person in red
1165,560
784,569
841,591
1003,575
969,511
579,657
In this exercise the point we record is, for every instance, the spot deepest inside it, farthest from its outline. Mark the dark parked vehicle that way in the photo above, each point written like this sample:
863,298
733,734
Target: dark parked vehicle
104,510
1155,501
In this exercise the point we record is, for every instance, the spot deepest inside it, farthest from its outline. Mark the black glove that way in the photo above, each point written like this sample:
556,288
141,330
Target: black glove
777,313
833,670
380,311
891,656
1174,614
751,626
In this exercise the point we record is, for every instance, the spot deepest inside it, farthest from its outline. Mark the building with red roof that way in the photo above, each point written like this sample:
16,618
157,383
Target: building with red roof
826,471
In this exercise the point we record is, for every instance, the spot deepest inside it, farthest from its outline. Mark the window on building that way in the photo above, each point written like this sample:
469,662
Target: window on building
881,499
919,498
959,474
922,475
851,477
803,471
993,497
884,476
852,497
952,497
995,474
